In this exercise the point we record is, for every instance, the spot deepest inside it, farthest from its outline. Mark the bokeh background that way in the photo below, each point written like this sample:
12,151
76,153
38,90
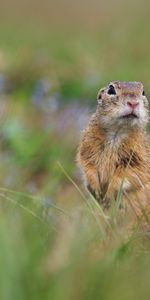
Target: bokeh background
54,56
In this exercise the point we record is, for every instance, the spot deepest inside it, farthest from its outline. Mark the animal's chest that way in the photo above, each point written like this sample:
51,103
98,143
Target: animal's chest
118,168
107,164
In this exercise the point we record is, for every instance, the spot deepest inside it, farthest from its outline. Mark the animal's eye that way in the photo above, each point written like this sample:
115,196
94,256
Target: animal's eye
143,93
111,90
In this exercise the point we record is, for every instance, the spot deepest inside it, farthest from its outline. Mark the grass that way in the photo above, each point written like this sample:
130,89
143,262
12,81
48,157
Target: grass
73,253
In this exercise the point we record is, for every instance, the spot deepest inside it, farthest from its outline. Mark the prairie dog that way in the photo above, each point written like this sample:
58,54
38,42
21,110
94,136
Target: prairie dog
114,152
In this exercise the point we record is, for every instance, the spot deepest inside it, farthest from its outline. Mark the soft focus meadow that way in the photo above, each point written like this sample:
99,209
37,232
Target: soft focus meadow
55,241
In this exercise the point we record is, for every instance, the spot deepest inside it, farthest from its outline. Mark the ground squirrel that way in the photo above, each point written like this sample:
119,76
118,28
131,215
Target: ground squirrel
114,152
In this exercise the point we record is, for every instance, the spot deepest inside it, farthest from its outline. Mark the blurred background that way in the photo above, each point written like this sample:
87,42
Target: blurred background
54,56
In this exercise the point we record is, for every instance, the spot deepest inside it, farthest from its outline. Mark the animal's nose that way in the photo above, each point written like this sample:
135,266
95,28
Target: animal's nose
133,103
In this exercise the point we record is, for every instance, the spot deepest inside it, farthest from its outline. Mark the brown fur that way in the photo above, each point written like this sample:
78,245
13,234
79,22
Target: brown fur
110,155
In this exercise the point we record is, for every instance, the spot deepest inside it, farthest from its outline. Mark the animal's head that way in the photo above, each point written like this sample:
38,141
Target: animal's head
123,104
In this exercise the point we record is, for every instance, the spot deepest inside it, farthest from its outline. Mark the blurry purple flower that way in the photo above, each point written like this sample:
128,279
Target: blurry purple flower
41,90
4,84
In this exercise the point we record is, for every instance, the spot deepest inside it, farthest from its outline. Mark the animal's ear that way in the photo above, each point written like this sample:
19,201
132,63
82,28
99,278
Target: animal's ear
99,95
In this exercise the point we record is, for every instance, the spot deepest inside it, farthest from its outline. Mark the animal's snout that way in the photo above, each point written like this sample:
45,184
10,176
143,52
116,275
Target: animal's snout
133,103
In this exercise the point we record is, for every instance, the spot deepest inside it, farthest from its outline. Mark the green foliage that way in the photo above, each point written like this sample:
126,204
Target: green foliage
25,144
48,252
